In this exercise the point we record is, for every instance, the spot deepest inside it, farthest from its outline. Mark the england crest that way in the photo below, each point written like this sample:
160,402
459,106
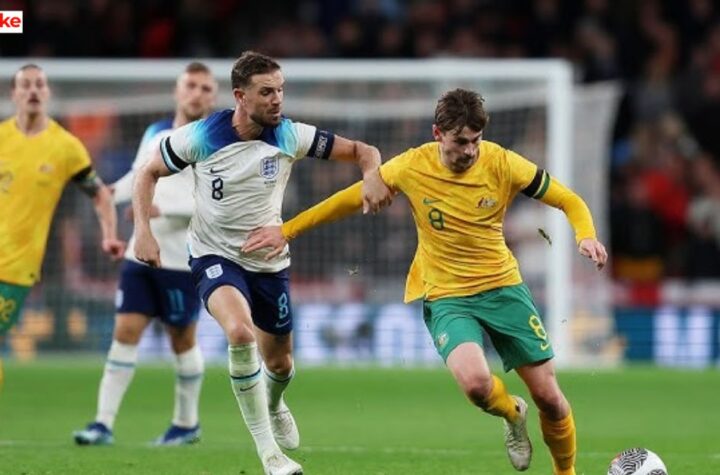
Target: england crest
269,167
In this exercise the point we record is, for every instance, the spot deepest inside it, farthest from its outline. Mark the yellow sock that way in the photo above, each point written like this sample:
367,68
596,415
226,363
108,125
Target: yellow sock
560,439
500,403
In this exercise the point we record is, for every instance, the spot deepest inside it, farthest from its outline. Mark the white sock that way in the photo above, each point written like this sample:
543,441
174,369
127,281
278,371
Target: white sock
249,389
119,371
276,384
189,368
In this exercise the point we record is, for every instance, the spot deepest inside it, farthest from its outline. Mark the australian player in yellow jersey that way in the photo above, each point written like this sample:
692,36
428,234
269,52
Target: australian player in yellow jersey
459,188
37,159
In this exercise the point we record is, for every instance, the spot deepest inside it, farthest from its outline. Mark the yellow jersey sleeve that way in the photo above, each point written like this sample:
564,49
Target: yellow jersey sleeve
576,210
77,156
522,171
341,204
390,171
537,183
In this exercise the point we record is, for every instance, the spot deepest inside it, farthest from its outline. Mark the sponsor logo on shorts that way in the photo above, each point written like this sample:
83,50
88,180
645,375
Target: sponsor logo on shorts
214,271
282,324
544,346
7,307
429,201
442,340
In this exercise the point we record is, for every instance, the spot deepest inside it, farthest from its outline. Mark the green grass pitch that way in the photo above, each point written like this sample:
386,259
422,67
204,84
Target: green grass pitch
354,421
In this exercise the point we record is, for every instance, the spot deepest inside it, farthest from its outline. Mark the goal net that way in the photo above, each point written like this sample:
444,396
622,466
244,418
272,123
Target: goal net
347,277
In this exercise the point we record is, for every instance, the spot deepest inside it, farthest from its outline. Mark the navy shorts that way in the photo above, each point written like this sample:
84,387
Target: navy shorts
267,293
167,294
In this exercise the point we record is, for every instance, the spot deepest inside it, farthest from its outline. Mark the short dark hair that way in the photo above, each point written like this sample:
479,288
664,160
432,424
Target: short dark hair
197,67
249,64
459,108
24,67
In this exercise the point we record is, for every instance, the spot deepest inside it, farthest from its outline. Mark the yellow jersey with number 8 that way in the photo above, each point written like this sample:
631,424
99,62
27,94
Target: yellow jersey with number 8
459,219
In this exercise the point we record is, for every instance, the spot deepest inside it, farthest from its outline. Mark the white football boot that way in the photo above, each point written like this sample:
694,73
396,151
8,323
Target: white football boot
517,441
284,429
277,463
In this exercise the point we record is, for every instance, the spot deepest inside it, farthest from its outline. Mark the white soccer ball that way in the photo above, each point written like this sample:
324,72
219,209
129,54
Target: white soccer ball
637,461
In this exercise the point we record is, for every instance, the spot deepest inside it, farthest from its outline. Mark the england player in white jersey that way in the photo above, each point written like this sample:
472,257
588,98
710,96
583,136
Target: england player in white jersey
241,160
167,293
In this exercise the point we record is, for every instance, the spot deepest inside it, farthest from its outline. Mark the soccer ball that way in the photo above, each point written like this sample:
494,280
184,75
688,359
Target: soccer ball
637,461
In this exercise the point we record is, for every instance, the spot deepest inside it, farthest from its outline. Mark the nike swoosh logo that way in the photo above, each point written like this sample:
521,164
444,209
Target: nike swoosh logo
280,325
248,389
429,201
544,346
213,171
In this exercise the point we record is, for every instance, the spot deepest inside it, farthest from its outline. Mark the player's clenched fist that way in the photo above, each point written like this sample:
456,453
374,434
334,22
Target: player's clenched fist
147,250
114,248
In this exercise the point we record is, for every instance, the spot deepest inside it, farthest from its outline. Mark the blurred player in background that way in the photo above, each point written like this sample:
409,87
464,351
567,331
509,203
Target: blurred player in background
168,292
459,188
37,159
242,159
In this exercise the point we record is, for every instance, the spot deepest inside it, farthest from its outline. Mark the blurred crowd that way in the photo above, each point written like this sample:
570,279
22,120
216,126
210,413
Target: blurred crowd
665,198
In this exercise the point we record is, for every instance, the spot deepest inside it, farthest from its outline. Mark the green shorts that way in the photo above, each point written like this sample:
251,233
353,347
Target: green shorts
507,314
12,298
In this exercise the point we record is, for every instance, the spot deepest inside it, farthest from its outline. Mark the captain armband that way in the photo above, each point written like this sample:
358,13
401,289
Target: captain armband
88,181
539,185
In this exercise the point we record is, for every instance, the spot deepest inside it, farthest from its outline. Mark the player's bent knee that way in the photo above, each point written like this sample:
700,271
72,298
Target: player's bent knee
477,388
127,336
182,339
281,365
552,402
129,327
181,345
239,333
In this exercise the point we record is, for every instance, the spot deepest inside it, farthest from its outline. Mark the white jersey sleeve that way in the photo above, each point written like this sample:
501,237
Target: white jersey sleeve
311,141
173,197
184,146
148,144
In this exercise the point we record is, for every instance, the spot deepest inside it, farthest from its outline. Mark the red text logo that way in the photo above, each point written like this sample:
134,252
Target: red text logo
11,21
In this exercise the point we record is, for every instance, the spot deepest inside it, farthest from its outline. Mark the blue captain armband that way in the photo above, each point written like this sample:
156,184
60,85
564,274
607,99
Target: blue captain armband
322,144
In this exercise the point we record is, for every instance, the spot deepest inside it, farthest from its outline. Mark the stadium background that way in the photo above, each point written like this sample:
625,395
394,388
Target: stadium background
645,151
654,194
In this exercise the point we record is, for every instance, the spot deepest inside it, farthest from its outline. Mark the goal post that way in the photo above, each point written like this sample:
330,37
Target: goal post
388,103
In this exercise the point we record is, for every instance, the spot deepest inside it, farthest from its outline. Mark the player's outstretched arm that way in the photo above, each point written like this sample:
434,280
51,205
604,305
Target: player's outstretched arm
146,247
107,215
102,198
341,204
375,194
577,212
